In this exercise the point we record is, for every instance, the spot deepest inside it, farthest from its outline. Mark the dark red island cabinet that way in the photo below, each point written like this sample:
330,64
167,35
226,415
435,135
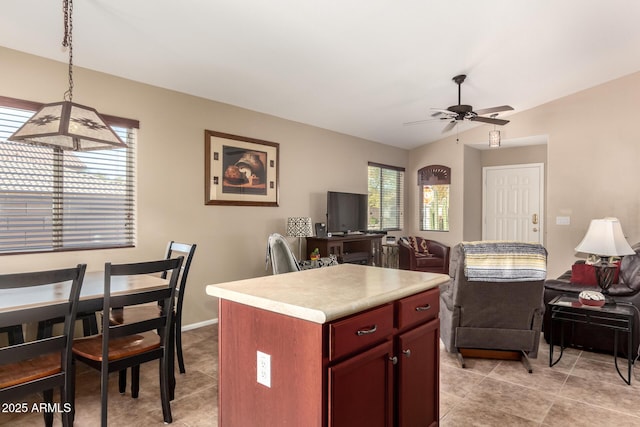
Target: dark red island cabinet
378,367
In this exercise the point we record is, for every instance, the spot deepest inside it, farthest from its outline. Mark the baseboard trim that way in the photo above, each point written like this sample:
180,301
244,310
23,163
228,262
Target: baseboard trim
199,324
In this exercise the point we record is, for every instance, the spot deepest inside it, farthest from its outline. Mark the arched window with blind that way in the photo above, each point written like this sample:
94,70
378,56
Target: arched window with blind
434,182
55,200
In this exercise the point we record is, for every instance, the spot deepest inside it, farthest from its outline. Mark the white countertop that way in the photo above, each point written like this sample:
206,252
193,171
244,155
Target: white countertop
324,294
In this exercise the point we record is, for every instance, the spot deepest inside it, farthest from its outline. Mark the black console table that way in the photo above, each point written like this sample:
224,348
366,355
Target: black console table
351,248
618,318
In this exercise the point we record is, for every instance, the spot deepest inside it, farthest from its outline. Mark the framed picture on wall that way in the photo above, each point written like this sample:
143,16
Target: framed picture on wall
240,171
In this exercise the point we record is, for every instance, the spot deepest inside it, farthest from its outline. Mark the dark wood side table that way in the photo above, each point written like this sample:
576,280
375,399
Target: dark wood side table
351,248
616,317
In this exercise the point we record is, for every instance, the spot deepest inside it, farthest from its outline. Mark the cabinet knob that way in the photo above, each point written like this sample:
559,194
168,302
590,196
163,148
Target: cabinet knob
423,307
393,360
407,353
371,330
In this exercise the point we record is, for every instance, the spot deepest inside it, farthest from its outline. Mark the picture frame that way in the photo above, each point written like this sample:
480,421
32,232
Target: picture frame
240,171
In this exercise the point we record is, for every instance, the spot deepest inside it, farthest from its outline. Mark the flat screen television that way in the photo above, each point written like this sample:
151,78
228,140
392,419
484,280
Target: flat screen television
346,212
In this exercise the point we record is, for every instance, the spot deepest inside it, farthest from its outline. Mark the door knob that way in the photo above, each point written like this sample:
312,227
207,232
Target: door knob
534,219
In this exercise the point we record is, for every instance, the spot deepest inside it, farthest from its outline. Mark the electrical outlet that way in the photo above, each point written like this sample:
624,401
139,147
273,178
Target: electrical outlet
264,369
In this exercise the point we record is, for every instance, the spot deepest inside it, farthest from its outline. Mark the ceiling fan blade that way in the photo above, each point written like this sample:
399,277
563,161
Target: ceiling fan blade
450,126
494,110
418,122
489,120
439,112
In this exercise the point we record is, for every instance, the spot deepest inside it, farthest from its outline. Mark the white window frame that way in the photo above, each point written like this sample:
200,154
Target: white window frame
389,216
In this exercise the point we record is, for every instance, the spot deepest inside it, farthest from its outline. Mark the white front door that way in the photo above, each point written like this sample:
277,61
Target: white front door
512,202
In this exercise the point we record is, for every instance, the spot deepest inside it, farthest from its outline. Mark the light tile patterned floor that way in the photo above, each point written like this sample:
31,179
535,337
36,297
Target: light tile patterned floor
582,390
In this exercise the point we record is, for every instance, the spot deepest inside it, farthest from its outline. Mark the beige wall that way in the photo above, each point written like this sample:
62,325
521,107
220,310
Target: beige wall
170,174
514,155
592,155
450,153
472,207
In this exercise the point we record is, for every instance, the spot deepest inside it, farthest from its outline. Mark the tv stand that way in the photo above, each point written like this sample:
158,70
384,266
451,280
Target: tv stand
363,249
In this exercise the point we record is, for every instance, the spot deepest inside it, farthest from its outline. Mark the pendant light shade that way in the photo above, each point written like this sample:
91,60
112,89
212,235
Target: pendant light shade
494,138
68,126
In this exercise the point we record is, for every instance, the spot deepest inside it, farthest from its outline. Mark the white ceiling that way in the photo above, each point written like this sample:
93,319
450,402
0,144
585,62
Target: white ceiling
360,67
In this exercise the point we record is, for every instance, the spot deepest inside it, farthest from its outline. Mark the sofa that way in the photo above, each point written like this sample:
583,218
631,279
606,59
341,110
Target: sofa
418,254
625,291
494,316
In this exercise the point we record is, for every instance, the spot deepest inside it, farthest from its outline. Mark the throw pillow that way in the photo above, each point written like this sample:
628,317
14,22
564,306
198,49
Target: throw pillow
585,274
419,245
413,243
423,247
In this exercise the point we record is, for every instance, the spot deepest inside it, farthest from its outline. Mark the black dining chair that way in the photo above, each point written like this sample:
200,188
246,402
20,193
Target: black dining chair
122,346
43,364
132,314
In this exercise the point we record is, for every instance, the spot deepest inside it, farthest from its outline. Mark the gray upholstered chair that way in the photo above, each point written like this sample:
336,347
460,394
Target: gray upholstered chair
280,256
499,314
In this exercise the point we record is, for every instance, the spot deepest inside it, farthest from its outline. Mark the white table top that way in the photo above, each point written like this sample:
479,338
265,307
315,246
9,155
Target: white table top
325,294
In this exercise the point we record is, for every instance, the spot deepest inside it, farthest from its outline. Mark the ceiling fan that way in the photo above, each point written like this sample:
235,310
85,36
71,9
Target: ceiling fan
460,112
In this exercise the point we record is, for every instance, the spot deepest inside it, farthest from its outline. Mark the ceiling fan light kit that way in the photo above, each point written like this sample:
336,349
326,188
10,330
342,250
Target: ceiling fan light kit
494,138
494,135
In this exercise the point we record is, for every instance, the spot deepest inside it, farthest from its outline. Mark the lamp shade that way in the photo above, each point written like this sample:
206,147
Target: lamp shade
605,238
299,226
68,126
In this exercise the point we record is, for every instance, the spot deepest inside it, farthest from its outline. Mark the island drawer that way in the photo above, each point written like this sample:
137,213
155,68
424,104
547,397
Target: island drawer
417,308
362,330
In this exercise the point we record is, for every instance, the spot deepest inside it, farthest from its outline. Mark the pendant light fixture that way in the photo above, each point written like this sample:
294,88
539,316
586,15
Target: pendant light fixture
494,136
66,125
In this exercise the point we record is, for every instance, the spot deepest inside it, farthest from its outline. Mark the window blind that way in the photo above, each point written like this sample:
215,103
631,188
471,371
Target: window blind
386,197
54,200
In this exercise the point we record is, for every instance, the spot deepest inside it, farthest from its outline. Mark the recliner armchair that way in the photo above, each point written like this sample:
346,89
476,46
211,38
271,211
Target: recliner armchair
489,318
418,254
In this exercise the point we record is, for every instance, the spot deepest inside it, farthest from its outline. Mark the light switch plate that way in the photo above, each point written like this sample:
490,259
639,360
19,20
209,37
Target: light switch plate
563,220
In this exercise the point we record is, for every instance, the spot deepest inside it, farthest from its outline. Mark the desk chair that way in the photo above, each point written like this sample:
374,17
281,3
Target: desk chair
129,345
280,255
43,364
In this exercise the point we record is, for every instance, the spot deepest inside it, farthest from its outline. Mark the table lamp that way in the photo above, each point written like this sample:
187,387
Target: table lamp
299,226
605,239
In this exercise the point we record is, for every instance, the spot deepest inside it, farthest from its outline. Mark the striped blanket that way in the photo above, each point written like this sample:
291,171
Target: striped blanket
502,261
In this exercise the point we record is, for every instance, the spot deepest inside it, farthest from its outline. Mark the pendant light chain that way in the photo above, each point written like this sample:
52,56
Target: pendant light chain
67,41
65,125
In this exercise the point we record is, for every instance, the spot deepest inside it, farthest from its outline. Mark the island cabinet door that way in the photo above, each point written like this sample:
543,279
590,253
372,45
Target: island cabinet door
418,376
361,389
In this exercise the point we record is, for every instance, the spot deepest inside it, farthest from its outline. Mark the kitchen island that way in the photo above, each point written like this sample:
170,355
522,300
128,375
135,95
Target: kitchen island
346,345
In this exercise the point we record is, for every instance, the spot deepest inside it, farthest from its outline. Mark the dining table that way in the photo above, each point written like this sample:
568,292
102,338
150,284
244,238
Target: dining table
91,294
91,297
